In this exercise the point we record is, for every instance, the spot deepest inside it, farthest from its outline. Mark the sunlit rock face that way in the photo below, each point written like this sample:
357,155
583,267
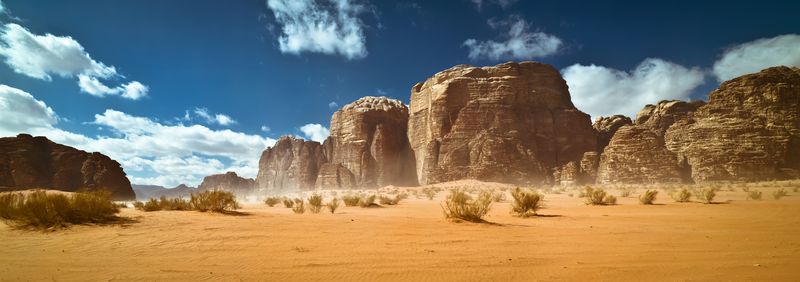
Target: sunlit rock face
606,127
228,181
292,164
28,162
513,122
748,131
368,146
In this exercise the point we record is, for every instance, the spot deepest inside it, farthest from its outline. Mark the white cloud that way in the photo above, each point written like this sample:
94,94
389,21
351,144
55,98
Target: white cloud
265,128
602,91
520,43
381,92
221,119
333,105
2,7
42,56
756,55
20,112
503,3
325,26
315,132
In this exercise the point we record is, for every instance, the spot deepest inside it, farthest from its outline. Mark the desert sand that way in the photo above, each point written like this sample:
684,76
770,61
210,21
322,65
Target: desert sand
734,240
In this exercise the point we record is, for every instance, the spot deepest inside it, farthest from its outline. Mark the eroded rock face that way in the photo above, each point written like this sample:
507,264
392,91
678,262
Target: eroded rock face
637,154
513,122
291,164
606,127
368,146
228,181
28,162
748,131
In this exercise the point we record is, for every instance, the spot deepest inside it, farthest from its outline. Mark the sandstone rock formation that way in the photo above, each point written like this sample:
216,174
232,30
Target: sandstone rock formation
513,122
146,192
748,131
28,162
228,181
368,146
291,164
606,127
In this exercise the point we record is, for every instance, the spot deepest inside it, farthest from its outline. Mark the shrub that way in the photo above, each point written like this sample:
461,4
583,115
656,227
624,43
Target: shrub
333,205
351,201
384,200
214,200
598,197
430,193
288,203
272,201
138,205
795,189
648,197
164,203
585,192
499,197
707,195
42,210
754,195
625,192
526,203
366,202
315,203
780,193
682,196
460,206
299,206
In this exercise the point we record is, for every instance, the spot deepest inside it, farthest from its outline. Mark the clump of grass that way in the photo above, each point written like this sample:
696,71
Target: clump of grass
499,197
430,193
707,195
315,203
299,206
682,196
625,192
384,200
333,205
272,201
585,192
754,195
648,197
214,201
780,193
351,200
526,203
288,203
42,210
598,197
366,202
460,206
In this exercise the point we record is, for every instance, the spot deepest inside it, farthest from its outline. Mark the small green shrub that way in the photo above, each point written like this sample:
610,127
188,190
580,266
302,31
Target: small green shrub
754,195
707,195
333,205
315,203
351,201
460,206
648,197
625,192
42,210
214,201
585,192
499,197
367,201
598,197
272,201
299,206
525,203
682,196
430,193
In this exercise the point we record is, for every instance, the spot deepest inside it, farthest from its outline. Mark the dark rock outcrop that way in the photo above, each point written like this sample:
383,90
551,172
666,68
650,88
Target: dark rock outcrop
146,192
514,122
291,164
28,162
228,181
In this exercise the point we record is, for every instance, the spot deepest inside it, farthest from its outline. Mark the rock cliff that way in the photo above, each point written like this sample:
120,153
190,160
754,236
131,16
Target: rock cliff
291,164
228,181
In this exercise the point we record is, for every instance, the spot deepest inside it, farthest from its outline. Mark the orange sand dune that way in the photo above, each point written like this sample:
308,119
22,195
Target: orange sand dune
740,240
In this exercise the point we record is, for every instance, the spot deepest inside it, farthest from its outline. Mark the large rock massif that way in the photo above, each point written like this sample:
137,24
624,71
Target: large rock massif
513,122
28,162
228,181
146,192
749,130
291,164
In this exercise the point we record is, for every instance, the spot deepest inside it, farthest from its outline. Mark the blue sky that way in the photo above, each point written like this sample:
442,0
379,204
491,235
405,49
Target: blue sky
176,90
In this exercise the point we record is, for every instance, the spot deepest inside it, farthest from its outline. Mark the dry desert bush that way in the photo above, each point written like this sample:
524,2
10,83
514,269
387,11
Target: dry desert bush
288,203
164,203
42,210
707,195
429,192
625,192
779,193
333,205
526,203
384,200
682,196
214,201
272,201
351,200
367,201
648,197
754,195
498,197
598,197
460,206
299,206
315,203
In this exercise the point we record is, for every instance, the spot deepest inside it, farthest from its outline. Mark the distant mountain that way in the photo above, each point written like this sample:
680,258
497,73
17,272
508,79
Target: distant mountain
145,192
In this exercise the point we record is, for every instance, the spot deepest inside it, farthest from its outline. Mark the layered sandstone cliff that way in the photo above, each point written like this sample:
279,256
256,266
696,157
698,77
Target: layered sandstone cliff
228,181
513,122
291,164
28,162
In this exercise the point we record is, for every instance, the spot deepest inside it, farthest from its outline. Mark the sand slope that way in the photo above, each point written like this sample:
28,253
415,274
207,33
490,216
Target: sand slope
740,240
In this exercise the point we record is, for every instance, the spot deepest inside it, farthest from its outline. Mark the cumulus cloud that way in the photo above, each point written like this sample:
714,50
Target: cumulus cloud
333,105
603,91
519,43
2,8
265,128
43,56
20,112
320,26
756,55
315,132
221,119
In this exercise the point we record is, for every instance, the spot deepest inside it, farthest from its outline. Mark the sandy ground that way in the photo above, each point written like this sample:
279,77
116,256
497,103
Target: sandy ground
737,240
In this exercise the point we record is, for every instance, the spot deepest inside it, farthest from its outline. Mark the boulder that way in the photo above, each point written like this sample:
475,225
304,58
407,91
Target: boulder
28,162
291,164
514,123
